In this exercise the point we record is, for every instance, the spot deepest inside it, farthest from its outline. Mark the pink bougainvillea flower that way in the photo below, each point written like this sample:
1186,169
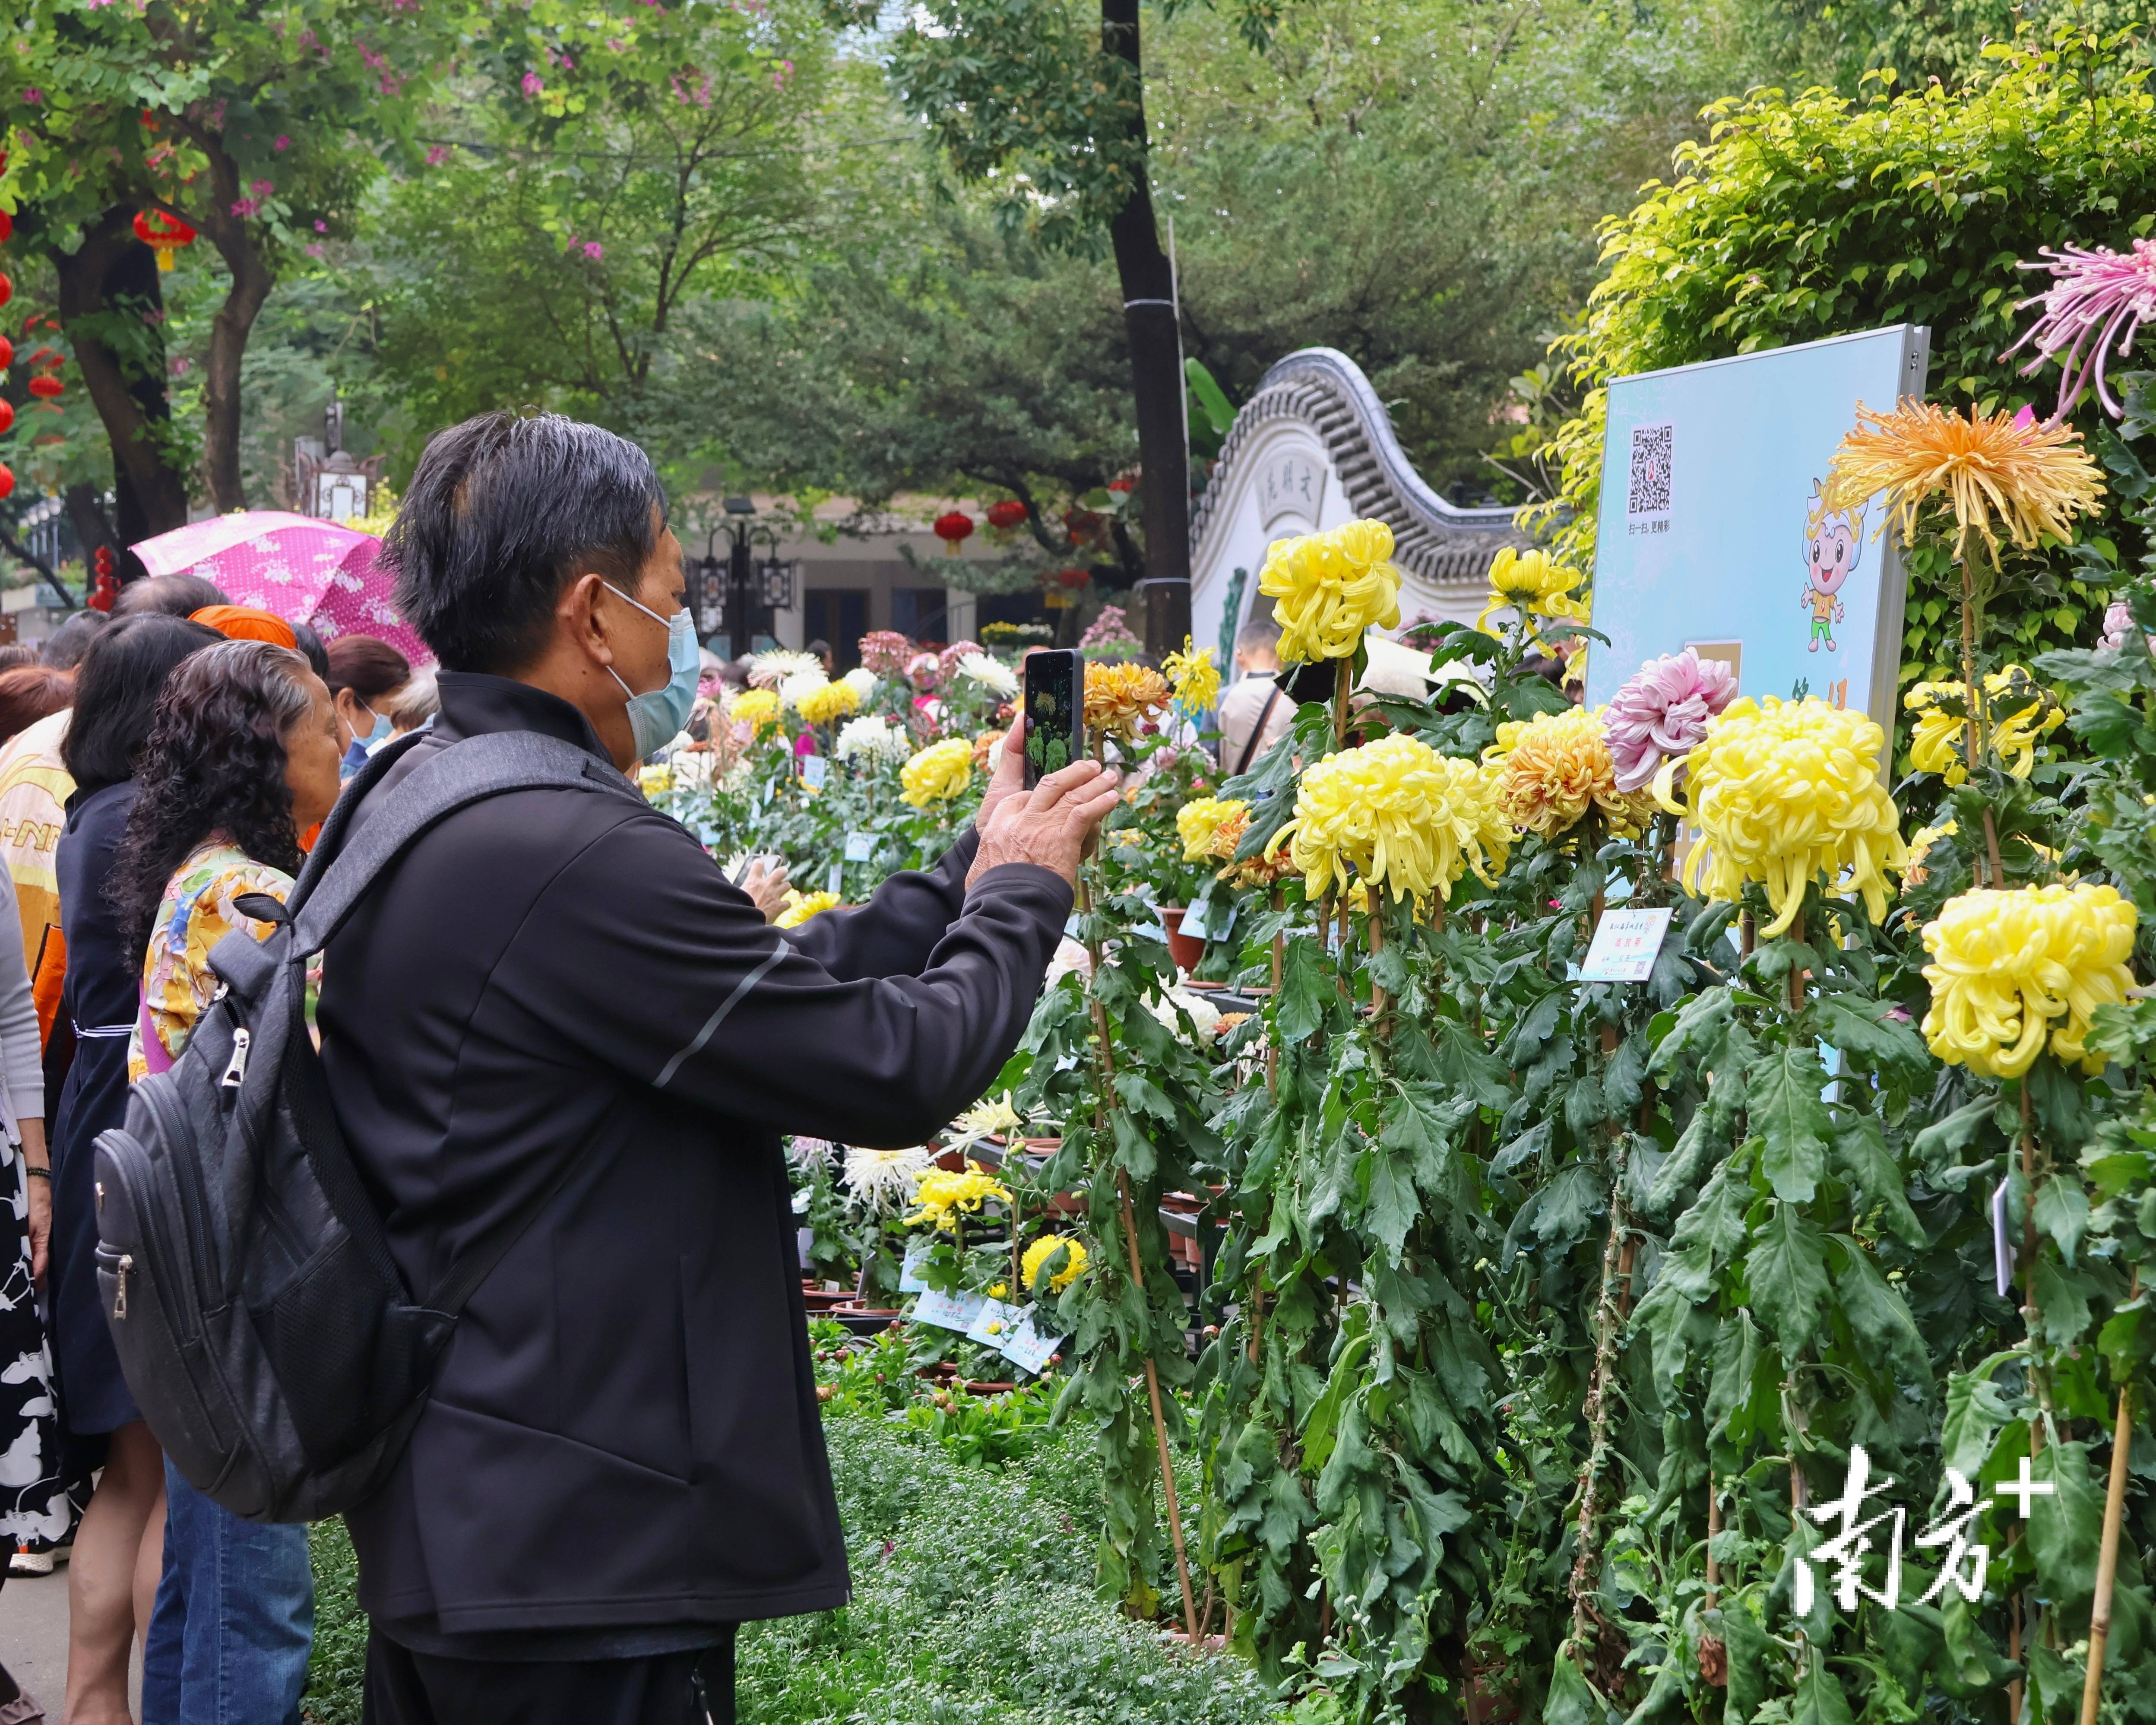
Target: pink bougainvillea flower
1663,712
315,250
262,188
594,250
321,227
33,96
245,207
2098,299
282,143
533,83
437,156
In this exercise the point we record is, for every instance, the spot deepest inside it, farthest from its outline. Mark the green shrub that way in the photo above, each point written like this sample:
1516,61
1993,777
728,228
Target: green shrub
974,1604
1809,216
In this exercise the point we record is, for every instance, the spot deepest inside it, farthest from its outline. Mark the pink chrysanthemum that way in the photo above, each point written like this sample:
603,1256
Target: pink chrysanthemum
1663,712
2098,299
886,652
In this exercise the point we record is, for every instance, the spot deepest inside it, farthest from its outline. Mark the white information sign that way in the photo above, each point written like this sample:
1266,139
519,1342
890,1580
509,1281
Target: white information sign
1625,946
813,770
1027,1347
948,1311
997,1320
860,846
909,1272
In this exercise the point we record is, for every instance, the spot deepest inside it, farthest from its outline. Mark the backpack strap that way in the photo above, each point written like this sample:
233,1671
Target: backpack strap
337,876
334,878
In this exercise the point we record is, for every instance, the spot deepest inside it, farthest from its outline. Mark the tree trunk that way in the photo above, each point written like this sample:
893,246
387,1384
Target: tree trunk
1149,319
113,274
92,527
252,279
251,282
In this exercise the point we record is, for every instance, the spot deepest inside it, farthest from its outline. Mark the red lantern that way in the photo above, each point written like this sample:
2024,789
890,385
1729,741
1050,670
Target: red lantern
46,386
1081,523
1123,484
6,417
1073,577
7,353
954,530
6,291
107,583
163,235
7,225
1006,515
7,482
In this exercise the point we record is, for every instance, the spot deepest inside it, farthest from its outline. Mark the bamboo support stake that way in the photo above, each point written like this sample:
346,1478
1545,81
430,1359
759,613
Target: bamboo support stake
1378,1002
1137,1282
2106,1563
1713,1527
1590,1472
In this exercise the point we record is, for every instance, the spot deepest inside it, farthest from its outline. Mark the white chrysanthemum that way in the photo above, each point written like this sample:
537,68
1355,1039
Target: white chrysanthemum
798,684
991,673
874,738
771,667
991,1117
885,1179
1204,1016
809,1155
861,680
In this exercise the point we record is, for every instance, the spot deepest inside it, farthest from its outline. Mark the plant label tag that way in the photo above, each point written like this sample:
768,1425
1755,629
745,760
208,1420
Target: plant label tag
814,768
948,1311
909,1272
1208,920
2002,1254
1625,946
997,1320
860,846
836,878
1026,1347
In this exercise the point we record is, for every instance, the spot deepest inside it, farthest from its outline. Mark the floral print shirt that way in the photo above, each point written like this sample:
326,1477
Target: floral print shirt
197,913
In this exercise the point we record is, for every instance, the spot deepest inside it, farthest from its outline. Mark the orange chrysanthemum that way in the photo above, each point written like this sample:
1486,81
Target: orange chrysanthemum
2003,472
1119,698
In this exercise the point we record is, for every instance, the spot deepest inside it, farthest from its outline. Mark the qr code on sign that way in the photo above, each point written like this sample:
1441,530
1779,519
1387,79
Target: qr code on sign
1653,453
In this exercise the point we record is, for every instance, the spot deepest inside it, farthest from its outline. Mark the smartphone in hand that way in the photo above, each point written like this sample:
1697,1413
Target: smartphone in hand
1054,712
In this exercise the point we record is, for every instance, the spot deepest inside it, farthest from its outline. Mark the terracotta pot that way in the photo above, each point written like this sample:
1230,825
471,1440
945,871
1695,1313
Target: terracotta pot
818,1300
1187,952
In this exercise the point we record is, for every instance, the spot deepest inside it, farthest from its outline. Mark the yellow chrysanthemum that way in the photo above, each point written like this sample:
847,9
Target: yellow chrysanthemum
1263,870
1914,872
944,1198
2034,478
2016,722
2008,963
1199,822
1553,768
942,771
1781,790
1394,814
1119,698
800,907
757,708
1194,676
1328,588
1042,1250
1534,585
826,703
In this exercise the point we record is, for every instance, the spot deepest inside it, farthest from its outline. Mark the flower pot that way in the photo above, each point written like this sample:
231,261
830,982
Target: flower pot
1188,952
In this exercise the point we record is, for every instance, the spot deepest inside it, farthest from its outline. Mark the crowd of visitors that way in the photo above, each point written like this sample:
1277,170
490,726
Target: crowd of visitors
556,1040
154,766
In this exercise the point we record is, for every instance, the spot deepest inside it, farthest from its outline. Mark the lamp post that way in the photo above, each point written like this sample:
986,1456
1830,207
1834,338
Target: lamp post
739,593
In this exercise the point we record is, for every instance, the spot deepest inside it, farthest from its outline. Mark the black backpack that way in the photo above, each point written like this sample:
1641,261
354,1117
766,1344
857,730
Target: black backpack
264,1328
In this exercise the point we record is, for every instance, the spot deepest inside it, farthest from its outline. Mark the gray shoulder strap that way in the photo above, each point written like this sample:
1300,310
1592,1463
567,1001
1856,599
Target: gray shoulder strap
463,774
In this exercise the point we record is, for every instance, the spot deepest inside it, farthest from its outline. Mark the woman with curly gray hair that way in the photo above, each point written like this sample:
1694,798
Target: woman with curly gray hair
241,759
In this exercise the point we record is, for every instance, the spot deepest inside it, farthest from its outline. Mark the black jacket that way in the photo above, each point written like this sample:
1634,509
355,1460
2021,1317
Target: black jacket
623,1433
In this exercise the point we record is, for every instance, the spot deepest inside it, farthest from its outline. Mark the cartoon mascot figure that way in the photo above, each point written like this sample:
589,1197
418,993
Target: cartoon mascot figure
1833,541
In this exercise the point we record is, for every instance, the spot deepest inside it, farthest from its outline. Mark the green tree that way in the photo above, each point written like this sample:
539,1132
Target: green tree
593,176
260,129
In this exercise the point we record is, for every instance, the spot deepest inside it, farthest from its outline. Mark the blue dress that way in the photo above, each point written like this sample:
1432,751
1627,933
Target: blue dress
101,999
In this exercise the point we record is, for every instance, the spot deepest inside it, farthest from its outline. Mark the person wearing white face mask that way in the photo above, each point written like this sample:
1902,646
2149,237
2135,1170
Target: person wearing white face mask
558,1040
364,676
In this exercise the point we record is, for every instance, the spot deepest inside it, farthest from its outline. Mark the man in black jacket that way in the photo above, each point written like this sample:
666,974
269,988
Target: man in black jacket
622,1458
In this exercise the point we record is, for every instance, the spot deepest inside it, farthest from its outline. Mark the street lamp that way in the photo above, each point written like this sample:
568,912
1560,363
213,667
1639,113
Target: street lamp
738,595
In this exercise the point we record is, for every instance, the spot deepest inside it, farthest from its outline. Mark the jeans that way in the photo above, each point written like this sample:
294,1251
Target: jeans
234,1618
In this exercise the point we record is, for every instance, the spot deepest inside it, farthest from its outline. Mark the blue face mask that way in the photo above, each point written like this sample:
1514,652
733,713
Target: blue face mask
376,737
656,719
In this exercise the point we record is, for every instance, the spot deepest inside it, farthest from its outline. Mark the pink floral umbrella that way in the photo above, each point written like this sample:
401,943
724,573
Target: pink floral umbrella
306,571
